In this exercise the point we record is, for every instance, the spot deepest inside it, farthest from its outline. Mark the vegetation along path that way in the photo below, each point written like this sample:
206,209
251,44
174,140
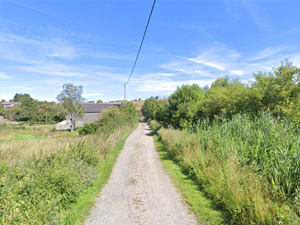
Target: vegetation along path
139,191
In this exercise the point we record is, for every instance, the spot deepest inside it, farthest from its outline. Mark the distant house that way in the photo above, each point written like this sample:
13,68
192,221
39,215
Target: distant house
92,113
10,104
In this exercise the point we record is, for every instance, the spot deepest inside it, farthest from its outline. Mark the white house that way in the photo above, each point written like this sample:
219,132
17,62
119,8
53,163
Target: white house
10,104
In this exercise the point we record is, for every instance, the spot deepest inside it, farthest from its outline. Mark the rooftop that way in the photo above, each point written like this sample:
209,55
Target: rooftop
98,107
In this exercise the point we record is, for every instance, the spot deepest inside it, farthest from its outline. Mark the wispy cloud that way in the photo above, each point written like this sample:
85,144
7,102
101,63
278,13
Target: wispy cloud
237,72
233,9
221,61
208,63
3,76
32,49
165,86
53,69
271,51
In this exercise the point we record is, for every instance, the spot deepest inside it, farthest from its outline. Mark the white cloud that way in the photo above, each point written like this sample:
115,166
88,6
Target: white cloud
221,61
53,69
269,52
28,49
237,72
233,9
3,76
59,49
208,63
167,86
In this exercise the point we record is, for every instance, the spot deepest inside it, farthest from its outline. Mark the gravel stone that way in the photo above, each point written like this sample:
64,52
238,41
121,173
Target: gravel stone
139,190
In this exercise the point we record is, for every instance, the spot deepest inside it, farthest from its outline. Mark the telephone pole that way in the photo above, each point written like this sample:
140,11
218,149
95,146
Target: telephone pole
125,93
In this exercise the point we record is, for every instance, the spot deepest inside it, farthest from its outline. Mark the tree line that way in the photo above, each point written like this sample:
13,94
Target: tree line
277,92
33,110
70,100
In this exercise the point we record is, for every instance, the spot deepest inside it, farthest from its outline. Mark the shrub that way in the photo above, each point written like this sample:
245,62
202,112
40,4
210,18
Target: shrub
251,167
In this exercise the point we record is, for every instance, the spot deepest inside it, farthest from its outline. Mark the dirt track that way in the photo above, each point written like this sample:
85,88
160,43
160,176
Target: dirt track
139,191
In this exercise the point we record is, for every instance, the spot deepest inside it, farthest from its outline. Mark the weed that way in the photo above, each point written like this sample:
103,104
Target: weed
249,167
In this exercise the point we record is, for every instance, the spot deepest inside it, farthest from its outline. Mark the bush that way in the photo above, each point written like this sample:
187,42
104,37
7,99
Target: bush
89,128
40,188
111,120
250,167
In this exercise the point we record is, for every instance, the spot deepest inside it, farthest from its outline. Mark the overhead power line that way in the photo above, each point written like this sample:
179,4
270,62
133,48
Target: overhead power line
141,44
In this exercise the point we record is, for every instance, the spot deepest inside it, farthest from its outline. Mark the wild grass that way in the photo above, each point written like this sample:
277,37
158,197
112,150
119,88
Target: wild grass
249,167
203,207
44,174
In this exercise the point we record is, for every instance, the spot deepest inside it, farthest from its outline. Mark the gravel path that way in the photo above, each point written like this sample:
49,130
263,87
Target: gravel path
139,191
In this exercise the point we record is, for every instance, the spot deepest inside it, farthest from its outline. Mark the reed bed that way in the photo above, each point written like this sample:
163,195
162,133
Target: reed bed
249,167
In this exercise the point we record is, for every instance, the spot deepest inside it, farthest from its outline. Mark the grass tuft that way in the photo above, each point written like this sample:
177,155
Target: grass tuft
248,167
203,207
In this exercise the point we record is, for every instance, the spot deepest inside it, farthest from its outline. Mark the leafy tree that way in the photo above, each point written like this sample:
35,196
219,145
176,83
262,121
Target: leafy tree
280,90
72,102
277,92
11,113
1,110
149,108
99,101
221,82
28,109
229,97
183,105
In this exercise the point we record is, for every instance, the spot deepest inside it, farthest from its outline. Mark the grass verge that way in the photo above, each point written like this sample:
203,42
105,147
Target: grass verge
204,208
81,209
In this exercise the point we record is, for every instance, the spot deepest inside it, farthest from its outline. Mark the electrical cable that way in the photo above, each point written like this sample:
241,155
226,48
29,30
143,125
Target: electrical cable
141,43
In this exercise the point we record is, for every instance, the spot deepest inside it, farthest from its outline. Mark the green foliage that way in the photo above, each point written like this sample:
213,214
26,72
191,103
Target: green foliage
111,120
281,90
99,101
277,92
72,102
149,108
40,188
251,167
33,110
230,100
203,207
244,158
155,109
89,128
71,99
183,105
221,82
37,190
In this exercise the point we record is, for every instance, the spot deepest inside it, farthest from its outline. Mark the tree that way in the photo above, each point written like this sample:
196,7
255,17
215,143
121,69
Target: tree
72,102
221,82
280,90
28,110
99,101
183,105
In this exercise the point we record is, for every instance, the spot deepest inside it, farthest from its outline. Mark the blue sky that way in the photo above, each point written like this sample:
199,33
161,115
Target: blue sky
44,44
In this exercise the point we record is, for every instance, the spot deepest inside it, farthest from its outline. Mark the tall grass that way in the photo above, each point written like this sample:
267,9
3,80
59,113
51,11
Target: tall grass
38,188
41,180
250,167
